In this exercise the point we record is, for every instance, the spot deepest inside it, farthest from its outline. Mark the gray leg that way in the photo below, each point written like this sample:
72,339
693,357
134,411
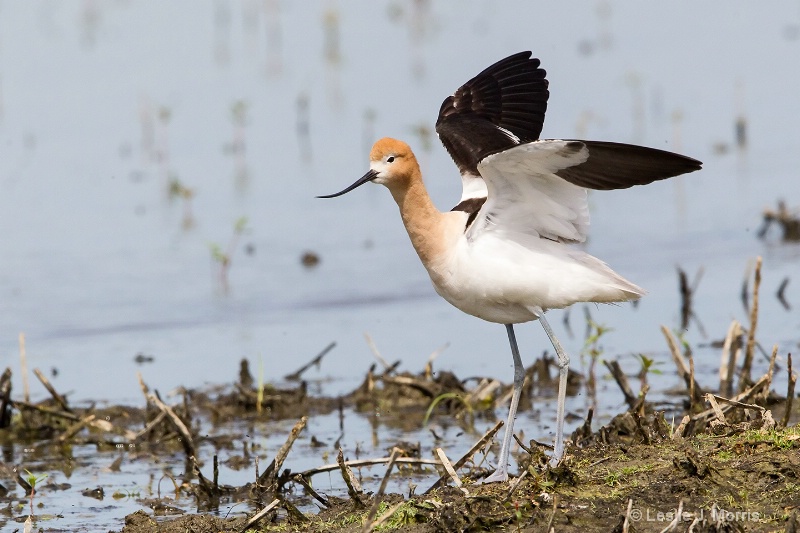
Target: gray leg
501,474
563,371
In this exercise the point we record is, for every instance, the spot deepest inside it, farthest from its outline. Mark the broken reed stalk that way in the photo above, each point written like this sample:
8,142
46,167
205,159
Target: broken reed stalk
56,396
358,463
549,527
186,436
467,456
428,372
517,482
295,376
45,410
75,428
256,518
353,486
770,372
5,398
269,478
789,392
673,525
448,466
747,363
715,407
23,365
208,487
731,349
369,523
680,364
622,381
298,478
626,523
735,401
371,343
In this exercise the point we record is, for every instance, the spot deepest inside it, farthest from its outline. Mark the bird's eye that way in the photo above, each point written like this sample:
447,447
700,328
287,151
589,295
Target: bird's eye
390,159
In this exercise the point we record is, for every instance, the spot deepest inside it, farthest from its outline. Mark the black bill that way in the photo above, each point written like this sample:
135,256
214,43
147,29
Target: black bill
369,176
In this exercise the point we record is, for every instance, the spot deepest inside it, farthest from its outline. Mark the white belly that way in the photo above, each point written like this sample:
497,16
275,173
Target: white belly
509,282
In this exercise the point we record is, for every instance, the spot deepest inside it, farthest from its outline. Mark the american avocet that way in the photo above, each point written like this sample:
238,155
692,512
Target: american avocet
503,253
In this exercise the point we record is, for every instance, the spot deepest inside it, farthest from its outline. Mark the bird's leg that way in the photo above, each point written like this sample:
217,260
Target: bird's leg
501,474
563,371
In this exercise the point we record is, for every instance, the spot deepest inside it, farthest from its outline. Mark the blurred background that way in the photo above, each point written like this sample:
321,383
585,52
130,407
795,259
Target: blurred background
159,163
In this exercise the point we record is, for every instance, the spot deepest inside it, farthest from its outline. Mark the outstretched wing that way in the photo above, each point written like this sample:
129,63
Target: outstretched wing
499,108
539,188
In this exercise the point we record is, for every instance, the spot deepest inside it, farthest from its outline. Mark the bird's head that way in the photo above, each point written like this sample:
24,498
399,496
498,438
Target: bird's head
391,163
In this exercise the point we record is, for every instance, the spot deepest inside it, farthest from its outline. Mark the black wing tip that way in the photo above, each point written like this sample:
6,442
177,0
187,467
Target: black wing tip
612,165
508,97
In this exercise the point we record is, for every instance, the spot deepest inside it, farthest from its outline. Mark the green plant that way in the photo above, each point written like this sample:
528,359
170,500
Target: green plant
592,348
33,480
647,366
447,396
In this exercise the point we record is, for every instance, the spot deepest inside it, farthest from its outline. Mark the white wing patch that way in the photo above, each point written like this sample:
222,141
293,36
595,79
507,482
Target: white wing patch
526,197
473,186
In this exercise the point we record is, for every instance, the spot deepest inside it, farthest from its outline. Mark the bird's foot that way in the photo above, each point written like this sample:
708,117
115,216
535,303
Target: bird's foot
499,476
556,460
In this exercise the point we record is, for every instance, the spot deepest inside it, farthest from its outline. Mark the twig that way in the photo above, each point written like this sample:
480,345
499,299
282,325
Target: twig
622,381
467,456
770,372
432,357
376,353
549,527
5,398
744,374
448,466
45,410
75,428
627,521
358,463
733,401
789,392
56,396
415,383
514,485
270,476
683,371
678,433
256,518
353,487
186,436
482,392
715,406
294,376
369,524
149,427
678,516
208,487
298,478
599,461
731,349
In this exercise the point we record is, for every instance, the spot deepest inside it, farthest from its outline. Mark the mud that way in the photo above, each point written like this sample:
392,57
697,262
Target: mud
729,469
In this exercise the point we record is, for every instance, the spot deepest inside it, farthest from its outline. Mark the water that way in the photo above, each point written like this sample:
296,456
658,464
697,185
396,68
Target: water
102,105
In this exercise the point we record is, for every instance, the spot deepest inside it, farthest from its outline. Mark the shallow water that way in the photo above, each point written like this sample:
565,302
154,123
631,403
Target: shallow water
102,105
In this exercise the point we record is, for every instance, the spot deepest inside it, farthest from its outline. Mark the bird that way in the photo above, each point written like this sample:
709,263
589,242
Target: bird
506,253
